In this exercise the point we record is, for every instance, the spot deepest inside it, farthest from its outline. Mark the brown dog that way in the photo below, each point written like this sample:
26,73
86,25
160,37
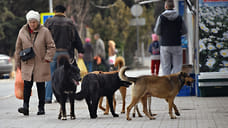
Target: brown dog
166,87
185,68
118,63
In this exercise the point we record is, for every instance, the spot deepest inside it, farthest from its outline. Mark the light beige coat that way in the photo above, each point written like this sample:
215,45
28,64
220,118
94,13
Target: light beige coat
44,48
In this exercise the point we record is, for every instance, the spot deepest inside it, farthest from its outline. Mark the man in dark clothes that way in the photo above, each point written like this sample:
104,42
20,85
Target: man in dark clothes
66,39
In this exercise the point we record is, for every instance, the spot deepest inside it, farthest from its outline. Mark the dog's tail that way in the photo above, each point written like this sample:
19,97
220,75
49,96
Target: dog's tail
124,77
120,62
82,94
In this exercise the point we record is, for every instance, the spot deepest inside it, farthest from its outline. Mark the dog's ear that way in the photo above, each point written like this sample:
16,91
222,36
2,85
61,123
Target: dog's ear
184,74
66,65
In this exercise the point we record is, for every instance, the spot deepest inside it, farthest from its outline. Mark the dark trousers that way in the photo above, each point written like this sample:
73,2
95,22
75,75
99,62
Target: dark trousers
41,93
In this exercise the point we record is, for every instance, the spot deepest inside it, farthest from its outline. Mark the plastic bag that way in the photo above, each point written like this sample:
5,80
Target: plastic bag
19,85
82,67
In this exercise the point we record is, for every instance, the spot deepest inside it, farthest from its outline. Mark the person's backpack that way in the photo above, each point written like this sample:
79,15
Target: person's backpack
156,48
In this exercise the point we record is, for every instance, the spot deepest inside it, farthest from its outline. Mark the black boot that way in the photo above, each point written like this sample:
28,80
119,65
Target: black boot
41,96
24,109
27,94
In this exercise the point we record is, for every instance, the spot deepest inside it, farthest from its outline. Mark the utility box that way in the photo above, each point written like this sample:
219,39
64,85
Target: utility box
213,84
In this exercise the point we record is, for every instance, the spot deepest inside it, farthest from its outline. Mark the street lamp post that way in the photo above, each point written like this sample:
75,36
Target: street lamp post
50,6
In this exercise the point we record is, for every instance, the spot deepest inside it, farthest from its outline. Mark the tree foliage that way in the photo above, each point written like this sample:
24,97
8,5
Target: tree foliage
109,18
12,18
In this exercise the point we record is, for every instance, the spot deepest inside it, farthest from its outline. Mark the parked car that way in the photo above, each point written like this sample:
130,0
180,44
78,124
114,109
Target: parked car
5,64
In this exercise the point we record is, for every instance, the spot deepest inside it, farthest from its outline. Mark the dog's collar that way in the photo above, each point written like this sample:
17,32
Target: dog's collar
181,81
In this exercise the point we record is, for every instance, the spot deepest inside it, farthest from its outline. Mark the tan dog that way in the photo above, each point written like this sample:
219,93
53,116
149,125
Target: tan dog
166,87
118,63
185,68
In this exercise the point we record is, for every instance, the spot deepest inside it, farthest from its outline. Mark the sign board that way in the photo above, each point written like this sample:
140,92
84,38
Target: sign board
136,10
45,16
138,21
213,36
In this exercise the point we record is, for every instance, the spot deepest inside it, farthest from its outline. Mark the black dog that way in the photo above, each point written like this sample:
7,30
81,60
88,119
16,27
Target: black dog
96,85
64,85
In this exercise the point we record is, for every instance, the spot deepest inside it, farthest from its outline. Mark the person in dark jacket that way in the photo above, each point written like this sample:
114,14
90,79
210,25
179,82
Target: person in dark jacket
88,54
154,50
66,39
170,27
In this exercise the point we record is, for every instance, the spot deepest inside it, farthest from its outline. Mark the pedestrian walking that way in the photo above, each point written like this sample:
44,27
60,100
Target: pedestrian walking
36,69
170,27
66,40
154,50
99,62
88,54
111,53
99,46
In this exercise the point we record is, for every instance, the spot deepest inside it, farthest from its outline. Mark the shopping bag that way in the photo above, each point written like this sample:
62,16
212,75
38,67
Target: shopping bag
82,67
19,85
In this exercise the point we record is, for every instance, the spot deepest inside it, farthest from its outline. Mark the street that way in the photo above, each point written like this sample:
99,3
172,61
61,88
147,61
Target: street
196,112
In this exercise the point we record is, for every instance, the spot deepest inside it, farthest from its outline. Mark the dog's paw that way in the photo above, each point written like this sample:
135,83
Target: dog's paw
152,118
122,112
105,113
72,117
59,117
177,113
173,117
140,115
133,114
63,118
153,114
93,116
115,115
129,119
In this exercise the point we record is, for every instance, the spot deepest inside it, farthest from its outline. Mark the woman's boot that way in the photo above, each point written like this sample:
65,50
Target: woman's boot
41,96
24,109
27,94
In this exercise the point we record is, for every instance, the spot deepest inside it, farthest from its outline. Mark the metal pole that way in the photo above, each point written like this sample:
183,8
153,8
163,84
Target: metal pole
50,6
197,37
137,35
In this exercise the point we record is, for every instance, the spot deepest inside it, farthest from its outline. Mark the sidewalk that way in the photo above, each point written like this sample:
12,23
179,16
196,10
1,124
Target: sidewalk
196,112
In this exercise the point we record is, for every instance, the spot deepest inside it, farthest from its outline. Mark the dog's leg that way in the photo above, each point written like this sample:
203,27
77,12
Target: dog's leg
133,114
170,102
149,98
95,100
123,92
144,103
176,110
72,114
60,113
110,102
63,114
134,101
136,108
89,104
114,102
100,104
107,107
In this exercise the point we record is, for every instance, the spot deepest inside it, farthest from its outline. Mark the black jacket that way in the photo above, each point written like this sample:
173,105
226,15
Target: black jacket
64,33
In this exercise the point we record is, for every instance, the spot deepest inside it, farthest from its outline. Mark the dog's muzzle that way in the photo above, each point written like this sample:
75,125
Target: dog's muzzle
76,82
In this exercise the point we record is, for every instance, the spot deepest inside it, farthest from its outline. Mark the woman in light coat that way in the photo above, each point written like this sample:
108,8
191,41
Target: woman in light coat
36,69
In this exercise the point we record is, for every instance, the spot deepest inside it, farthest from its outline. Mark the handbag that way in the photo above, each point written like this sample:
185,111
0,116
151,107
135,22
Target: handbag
19,85
28,53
